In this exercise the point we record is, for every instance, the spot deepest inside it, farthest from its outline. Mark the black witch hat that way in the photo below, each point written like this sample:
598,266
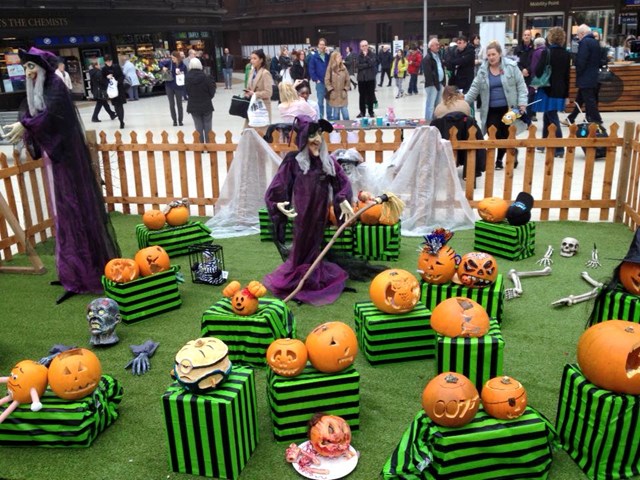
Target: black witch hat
633,254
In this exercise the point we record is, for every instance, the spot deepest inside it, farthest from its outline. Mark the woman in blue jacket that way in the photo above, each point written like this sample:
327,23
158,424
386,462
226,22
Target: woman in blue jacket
174,86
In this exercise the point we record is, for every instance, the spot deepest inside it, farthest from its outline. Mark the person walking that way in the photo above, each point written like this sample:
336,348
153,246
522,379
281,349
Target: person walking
367,64
260,83
201,89
112,71
63,74
386,59
399,68
227,69
415,59
317,69
434,77
174,71
338,85
131,73
99,91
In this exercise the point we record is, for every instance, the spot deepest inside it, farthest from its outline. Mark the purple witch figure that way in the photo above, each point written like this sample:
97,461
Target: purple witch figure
51,127
308,180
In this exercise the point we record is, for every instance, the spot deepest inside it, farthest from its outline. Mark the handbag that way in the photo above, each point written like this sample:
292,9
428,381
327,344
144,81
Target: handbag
112,89
239,106
180,79
275,93
543,80
257,114
166,76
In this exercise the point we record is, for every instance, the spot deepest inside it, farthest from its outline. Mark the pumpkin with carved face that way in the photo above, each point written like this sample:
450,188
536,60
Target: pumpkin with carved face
395,291
121,270
244,301
460,317
437,268
287,356
26,375
154,219
477,270
202,364
329,435
629,275
450,400
152,260
332,347
75,373
504,398
493,209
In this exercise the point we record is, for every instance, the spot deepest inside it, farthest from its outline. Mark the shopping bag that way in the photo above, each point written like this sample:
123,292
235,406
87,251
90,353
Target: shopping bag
112,88
179,79
239,106
257,114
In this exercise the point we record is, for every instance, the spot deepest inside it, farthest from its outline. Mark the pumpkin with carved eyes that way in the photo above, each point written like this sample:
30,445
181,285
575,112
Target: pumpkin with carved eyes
332,347
504,398
287,356
493,209
154,219
122,270
437,268
177,216
152,260
629,274
477,270
450,400
26,375
202,364
244,301
329,435
75,373
395,291
460,317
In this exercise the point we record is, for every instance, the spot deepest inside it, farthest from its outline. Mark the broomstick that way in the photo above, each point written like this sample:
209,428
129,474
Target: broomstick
395,205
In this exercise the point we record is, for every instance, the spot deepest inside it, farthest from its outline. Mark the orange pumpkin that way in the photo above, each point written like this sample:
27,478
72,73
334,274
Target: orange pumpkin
75,373
177,216
26,375
122,270
477,270
629,274
332,347
154,219
450,400
609,356
152,260
395,291
329,435
460,317
372,215
287,356
244,301
493,209
437,268
504,398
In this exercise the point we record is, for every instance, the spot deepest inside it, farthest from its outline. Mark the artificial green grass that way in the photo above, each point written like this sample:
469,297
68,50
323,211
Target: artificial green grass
539,340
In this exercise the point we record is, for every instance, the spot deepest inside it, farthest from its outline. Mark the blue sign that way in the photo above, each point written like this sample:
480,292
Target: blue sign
69,40
47,41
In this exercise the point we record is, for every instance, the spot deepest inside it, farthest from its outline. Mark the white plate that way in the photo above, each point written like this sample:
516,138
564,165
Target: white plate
338,467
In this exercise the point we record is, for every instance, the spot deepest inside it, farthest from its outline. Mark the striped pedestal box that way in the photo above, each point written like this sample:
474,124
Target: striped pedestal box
175,240
248,337
599,429
213,434
146,296
491,298
377,242
385,338
617,305
504,240
294,400
485,448
479,359
63,423
266,227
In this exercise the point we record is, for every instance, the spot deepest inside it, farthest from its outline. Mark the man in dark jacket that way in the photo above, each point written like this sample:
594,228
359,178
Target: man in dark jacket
201,88
523,51
386,59
433,77
317,65
99,91
366,79
462,64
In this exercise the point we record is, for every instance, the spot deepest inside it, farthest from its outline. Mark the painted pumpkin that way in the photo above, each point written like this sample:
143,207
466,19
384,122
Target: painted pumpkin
609,356
244,301
477,270
332,347
177,216
629,274
437,268
287,356
26,375
75,373
202,364
122,270
460,317
329,435
493,209
395,291
504,398
154,219
450,400
152,260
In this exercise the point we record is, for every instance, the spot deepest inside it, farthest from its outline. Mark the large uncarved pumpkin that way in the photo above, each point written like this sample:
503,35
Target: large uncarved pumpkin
154,219
493,209
460,317
177,216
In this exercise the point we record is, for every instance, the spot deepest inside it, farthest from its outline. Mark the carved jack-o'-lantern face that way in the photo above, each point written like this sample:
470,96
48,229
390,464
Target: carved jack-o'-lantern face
287,356
460,317
154,219
152,260
329,435
26,375
332,347
122,270
202,364
477,270
395,291
450,400
244,301
629,274
493,209
504,398
75,373
437,268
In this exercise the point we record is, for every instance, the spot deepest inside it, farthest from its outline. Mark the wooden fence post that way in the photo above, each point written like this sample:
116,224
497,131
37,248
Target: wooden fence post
623,172
92,142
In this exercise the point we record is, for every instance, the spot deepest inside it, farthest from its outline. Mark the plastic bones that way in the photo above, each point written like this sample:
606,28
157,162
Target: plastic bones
583,297
546,261
595,260
515,276
569,247
305,457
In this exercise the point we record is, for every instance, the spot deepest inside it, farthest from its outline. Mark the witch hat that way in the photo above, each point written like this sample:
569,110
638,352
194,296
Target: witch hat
633,254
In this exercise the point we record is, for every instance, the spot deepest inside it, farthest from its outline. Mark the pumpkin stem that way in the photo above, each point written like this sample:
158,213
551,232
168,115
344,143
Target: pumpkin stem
506,380
629,330
451,379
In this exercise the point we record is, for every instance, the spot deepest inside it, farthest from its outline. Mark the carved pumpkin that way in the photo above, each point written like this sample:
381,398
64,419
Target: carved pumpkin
122,270
154,219
450,400
152,260
332,347
329,435
75,373
395,291
477,270
202,364
287,356
460,317
629,274
504,398
177,216
244,301
493,209
26,375
609,356
437,268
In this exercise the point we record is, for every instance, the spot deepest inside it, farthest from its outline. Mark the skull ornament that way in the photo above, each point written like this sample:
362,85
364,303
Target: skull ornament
103,316
569,247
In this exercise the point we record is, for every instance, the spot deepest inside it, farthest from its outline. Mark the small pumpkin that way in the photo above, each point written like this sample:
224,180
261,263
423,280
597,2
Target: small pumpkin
629,275
75,373
450,400
493,209
152,260
154,219
287,356
122,270
477,270
460,317
609,356
504,398
329,435
24,376
332,347
395,291
177,216
437,268
244,301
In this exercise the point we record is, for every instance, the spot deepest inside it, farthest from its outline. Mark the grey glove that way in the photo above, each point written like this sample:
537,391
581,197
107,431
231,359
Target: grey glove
142,353
55,350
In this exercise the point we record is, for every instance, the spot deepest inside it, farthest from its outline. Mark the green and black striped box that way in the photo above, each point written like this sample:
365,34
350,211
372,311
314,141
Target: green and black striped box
266,227
175,240
294,400
479,359
63,423
599,429
377,242
484,449
213,434
504,240
386,338
491,298
617,305
146,296
248,337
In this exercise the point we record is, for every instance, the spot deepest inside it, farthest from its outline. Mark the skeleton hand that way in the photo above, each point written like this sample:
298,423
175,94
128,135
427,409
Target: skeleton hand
573,299
14,132
140,364
282,206
546,261
595,261
55,350
511,293
347,212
